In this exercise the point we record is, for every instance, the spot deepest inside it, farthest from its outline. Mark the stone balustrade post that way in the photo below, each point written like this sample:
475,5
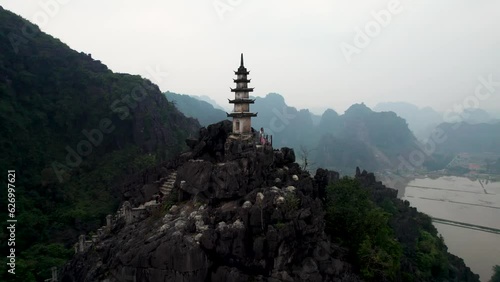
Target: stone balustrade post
81,243
109,221
127,210
54,273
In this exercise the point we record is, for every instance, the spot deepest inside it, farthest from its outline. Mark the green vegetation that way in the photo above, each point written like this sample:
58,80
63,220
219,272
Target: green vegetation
387,240
432,261
496,274
73,131
292,202
280,225
355,221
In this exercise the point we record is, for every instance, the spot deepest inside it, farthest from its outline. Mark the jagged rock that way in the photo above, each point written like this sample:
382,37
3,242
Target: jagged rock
221,226
191,143
229,274
196,176
288,155
322,179
309,268
227,238
173,209
259,198
210,144
280,200
378,190
238,224
180,225
358,172
198,236
284,157
247,205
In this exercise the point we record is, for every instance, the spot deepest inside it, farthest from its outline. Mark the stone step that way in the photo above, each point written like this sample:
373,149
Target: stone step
165,191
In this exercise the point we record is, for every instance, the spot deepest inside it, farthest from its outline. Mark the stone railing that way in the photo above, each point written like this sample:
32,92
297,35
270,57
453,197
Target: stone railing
268,139
129,214
54,275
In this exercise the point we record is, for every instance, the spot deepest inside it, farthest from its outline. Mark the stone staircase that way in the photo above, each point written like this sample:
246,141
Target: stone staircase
126,211
167,186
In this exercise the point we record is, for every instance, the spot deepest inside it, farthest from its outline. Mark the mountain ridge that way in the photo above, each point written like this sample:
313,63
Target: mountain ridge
70,129
248,213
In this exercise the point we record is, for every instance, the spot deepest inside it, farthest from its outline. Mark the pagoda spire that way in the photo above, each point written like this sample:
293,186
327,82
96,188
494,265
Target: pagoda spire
242,116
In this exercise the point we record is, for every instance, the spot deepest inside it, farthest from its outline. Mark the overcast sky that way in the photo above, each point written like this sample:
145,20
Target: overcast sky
429,53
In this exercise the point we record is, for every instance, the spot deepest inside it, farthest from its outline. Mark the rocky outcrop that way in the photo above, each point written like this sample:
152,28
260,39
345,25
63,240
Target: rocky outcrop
377,189
243,213
210,143
231,211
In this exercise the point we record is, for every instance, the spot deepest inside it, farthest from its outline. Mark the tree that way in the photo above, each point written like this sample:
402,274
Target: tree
357,223
496,274
305,156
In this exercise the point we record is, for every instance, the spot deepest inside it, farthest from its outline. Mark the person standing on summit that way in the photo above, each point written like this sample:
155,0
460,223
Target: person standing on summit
261,135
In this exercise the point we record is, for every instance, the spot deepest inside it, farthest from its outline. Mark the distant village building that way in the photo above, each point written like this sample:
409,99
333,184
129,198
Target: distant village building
242,117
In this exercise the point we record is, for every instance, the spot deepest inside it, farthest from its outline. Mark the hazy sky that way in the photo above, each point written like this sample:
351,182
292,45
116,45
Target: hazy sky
429,53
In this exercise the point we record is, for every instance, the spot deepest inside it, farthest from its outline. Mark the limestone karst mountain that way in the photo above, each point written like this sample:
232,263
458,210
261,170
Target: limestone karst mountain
421,121
215,213
360,136
240,212
470,138
72,129
203,111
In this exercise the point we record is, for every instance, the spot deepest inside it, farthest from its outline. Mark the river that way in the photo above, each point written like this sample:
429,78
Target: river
460,199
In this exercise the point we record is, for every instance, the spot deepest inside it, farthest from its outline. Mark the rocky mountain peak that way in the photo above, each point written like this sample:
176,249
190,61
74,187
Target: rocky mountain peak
235,212
230,210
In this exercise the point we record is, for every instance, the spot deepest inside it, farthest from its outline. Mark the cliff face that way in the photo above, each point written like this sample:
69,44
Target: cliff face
71,128
230,212
254,216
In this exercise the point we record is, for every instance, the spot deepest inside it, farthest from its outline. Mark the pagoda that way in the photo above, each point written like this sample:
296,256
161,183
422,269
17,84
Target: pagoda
242,117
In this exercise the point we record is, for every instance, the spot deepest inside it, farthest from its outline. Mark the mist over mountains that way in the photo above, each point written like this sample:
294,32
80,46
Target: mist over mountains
342,142
195,107
122,181
422,121
374,139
